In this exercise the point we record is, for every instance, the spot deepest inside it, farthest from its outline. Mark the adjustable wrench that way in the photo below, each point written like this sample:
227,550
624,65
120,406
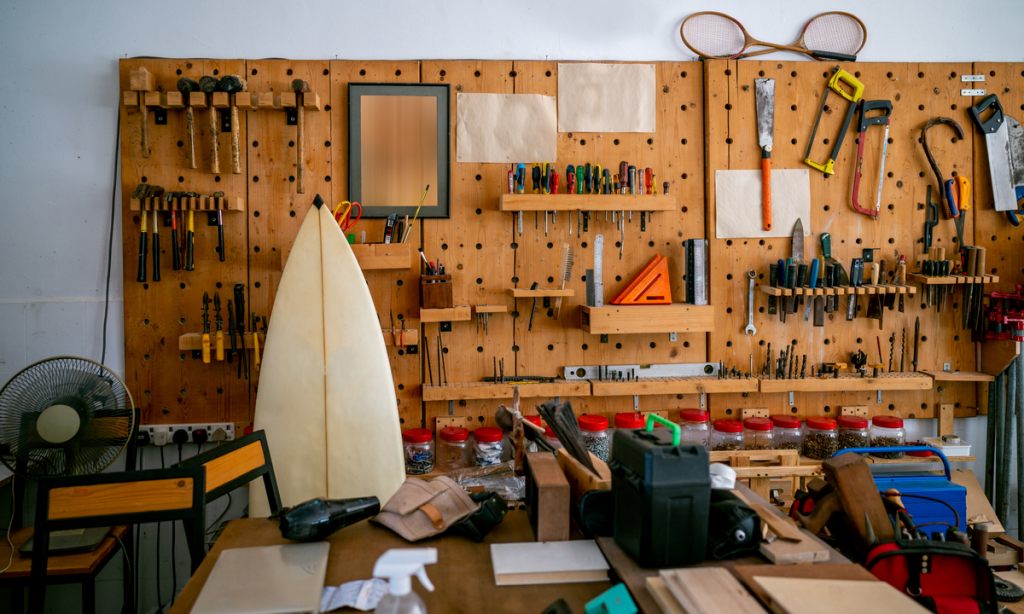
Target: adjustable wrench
750,330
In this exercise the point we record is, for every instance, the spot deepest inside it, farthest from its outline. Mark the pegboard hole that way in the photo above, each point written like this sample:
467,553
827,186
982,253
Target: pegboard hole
327,143
956,337
728,141
444,246
182,286
728,72
479,246
399,282
362,73
826,207
859,240
289,71
515,280
584,346
479,281
291,143
443,73
618,278
512,74
682,107
891,240
476,73
891,207
583,245
888,75
728,310
256,285
479,177
216,72
683,141
514,245
479,211
792,108
551,280
728,107
181,143
650,244
255,179
923,338
728,412
728,344
760,73
550,245
327,179
583,141
616,141
650,141
920,107
952,107
291,178
398,73
729,243
653,345
547,73
920,75
683,74
550,347
992,73
291,214
618,346
825,141
826,341
793,141
146,357
792,74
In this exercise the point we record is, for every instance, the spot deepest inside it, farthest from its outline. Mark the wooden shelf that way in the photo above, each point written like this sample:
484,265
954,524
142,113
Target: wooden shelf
586,202
950,280
379,256
450,314
194,341
997,354
640,319
541,292
460,391
671,385
203,203
959,376
269,101
886,381
491,308
840,290
401,337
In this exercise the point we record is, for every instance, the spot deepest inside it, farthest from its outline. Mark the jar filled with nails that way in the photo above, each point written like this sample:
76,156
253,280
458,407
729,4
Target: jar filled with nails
853,432
595,435
419,451
888,432
788,434
758,433
727,436
821,440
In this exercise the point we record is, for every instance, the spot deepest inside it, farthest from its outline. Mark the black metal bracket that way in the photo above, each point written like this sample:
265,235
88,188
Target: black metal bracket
159,116
225,120
444,327
412,349
197,354
291,115
167,219
604,338
211,218
547,302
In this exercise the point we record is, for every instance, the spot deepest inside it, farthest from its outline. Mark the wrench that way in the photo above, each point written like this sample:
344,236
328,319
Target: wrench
750,330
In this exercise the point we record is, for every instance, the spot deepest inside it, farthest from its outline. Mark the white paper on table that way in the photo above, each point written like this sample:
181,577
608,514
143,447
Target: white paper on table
738,212
361,594
505,128
606,97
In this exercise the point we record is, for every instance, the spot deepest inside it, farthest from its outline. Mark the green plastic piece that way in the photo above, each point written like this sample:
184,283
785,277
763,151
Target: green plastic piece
676,431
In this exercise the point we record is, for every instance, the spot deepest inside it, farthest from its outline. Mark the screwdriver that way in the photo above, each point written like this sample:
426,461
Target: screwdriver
607,188
231,332
220,326
143,249
597,179
579,179
570,179
536,178
624,176
588,186
156,246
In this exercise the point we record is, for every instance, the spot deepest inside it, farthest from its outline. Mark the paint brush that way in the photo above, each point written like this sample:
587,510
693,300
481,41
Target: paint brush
416,215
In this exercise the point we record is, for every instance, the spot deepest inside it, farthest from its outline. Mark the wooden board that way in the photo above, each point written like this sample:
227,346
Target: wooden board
661,593
710,590
885,381
672,385
632,320
325,383
486,390
747,573
805,596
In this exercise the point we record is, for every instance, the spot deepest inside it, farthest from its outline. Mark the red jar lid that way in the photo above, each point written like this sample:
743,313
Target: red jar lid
417,435
821,423
786,422
550,434
487,434
454,433
919,453
694,415
887,422
852,422
755,423
728,426
629,421
533,419
592,423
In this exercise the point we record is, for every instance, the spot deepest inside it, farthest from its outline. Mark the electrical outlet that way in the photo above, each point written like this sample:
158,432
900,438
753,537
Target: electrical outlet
161,434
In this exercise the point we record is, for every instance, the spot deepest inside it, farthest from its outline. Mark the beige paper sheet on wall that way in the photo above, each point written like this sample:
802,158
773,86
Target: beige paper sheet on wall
738,212
606,98
504,128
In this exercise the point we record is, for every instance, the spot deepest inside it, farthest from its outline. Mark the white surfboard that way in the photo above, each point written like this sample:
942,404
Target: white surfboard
326,397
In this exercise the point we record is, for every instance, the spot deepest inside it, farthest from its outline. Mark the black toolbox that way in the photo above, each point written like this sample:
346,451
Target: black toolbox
662,492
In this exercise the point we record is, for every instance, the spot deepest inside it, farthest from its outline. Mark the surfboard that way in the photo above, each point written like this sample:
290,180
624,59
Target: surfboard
326,398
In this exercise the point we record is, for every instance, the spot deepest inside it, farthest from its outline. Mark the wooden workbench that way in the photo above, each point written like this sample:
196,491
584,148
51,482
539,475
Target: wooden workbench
463,576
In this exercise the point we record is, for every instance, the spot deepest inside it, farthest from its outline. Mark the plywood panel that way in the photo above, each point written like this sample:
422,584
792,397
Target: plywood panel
918,92
169,385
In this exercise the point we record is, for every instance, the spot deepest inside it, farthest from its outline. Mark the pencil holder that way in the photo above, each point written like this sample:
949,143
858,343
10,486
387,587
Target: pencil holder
436,291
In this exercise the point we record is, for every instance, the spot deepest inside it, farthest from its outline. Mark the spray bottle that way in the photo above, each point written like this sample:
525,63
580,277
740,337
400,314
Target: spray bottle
398,565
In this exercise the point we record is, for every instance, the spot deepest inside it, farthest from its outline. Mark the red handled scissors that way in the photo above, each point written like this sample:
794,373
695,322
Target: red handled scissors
344,217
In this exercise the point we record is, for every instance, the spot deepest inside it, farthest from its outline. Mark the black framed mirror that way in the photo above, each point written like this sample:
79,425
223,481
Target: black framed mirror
398,143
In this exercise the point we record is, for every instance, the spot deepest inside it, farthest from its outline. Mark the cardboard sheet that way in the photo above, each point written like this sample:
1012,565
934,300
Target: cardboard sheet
505,128
738,203
606,97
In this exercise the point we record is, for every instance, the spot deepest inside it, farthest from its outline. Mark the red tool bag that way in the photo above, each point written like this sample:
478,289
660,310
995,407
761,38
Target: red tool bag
945,577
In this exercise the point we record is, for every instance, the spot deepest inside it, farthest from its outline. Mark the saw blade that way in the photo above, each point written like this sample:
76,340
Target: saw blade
764,99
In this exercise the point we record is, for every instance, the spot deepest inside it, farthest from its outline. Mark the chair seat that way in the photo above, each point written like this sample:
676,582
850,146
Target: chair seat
58,564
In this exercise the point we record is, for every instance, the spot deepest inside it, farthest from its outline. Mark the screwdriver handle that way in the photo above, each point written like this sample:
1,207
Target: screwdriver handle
190,243
220,345
220,233
255,348
206,347
176,253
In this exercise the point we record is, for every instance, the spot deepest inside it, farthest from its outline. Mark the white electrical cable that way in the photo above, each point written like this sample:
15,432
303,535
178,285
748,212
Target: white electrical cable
9,525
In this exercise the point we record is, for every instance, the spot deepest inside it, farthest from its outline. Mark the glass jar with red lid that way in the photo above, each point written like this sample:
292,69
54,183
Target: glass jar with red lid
727,436
853,432
628,421
487,446
595,434
888,432
696,427
821,440
758,433
551,438
788,434
418,445
452,448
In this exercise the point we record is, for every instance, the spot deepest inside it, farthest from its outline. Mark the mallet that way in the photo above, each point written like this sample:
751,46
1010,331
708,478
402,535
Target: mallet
142,81
186,86
300,87
233,84
209,85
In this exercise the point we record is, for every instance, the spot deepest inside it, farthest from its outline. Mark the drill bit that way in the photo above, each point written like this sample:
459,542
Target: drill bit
803,366
903,348
792,353
892,349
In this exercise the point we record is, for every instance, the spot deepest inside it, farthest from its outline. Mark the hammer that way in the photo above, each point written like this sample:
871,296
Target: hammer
186,86
142,81
300,87
233,84
209,85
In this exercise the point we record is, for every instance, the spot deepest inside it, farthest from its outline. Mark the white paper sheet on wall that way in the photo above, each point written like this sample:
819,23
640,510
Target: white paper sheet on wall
504,128
738,213
606,97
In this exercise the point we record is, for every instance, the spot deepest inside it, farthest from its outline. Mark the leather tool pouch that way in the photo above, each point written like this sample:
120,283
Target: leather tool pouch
421,509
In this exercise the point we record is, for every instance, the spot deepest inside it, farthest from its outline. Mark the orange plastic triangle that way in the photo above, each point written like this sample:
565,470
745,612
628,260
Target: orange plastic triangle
650,287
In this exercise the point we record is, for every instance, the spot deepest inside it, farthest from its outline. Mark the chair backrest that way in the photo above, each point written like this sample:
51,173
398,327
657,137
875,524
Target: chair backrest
234,464
128,497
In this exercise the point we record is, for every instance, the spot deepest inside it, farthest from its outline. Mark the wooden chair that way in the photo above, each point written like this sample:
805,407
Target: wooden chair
123,498
236,463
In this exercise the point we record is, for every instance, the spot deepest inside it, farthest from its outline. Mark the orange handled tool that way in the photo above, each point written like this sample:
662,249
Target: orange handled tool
764,99
766,188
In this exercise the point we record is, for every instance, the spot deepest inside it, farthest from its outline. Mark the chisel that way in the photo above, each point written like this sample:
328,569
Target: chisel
979,291
901,278
231,332
856,277
820,300
206,327
773,281
240,320
811,284
801,276
970,270
783,271
791,272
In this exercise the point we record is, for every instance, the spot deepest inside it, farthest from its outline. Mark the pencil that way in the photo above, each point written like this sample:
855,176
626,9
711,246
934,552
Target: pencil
409,228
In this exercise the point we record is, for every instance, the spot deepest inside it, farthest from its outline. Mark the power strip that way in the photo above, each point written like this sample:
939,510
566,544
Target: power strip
162,434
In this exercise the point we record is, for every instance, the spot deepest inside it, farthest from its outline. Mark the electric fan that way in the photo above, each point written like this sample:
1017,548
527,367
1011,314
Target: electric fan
64,416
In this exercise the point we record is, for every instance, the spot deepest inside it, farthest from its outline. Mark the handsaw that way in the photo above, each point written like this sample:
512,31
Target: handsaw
798,259
1000,161
764,100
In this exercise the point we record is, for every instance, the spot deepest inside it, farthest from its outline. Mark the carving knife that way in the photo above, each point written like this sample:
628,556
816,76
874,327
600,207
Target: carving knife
917,340
798,258
773,281
764,98
856,276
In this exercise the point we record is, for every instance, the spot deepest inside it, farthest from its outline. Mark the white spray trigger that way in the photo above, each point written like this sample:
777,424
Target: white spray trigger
424,580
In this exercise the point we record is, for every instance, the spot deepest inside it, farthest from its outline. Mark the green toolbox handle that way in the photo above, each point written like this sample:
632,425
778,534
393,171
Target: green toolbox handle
676,431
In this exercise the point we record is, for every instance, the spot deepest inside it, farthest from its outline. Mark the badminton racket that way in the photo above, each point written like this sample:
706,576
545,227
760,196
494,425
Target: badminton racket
833,36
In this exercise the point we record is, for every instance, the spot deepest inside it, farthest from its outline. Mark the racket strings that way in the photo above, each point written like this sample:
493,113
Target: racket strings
834,32
713,36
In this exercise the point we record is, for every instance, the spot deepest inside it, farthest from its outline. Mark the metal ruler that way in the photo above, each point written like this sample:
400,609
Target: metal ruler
692,369
599,271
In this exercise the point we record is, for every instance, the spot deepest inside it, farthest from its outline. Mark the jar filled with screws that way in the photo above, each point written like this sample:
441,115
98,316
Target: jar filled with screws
757,433
788,434
696,427
487,446
888,432
595,434
551,438
453,448
419,451
727,436
820,438
628,421
853,432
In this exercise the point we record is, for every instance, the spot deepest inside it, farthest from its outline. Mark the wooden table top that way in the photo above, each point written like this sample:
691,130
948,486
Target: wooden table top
56,565
463,576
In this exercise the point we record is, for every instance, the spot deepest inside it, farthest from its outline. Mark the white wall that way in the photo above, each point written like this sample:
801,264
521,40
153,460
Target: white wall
59,95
